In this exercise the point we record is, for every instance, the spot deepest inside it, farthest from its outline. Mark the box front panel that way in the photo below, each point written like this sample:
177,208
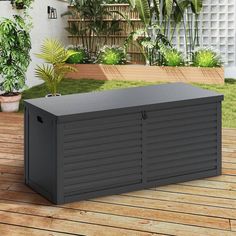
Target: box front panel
102,153
182,141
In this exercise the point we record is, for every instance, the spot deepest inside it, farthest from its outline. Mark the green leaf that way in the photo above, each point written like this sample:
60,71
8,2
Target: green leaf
196,6
144,11
168,6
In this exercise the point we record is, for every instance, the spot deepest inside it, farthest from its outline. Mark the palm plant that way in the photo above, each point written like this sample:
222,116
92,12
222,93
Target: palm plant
55,69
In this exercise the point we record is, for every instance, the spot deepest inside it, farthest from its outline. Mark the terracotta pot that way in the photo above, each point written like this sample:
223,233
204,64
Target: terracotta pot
10,103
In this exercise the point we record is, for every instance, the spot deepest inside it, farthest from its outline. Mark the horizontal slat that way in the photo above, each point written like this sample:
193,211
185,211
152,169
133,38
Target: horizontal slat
102,176
179,155
190,115
103,120
102,154
109,140
181,110
182,128
100,134
106,125
190,147
101,185
103,148
175,123
180,162
77,164
182,170
181,142
187,134
101,169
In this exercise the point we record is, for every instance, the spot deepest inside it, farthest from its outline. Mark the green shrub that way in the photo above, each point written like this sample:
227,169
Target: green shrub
112,55
171,56
80,56
206,57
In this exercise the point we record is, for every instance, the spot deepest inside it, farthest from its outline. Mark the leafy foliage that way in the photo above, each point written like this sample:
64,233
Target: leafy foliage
206,57
73,2
55,55
93,12
112,55
169,15
15,45
149,43
115,1
172,57
22,4
81,56
144,10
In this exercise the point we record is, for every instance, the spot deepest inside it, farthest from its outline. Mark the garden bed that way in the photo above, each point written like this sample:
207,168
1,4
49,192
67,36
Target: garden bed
149,73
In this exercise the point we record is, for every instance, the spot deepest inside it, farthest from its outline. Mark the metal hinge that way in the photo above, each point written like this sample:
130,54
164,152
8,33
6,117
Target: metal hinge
144,115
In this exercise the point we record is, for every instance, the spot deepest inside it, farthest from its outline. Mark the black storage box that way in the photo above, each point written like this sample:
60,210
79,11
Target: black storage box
87,145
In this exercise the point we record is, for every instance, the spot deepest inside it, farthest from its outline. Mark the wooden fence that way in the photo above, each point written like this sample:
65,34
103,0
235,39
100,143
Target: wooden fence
117,38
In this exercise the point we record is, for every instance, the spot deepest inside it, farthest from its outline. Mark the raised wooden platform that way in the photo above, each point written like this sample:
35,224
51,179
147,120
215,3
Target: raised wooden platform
196,208
149,73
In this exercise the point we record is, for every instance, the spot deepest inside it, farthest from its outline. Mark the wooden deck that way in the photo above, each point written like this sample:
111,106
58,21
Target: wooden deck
196,208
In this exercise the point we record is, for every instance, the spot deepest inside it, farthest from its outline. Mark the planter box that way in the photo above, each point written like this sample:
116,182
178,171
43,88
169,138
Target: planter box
88,145
149,73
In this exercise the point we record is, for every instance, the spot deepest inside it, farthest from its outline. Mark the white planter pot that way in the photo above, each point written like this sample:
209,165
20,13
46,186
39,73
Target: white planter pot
10,103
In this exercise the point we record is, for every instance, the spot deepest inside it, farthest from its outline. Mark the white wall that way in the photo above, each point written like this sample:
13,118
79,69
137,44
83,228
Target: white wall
42,28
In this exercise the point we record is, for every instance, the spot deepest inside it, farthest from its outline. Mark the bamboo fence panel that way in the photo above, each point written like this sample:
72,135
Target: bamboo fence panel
117,38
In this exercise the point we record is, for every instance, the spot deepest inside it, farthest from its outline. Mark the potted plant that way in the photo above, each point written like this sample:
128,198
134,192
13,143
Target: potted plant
15,45
21,4
55,69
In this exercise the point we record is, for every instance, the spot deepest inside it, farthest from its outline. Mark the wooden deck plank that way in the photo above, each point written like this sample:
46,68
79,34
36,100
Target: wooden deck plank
11,177
100,209
229,165
202,191
12,156
12,230
211,184
148,205
65,226
200,207
224,178
150,200
102,218
233,225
